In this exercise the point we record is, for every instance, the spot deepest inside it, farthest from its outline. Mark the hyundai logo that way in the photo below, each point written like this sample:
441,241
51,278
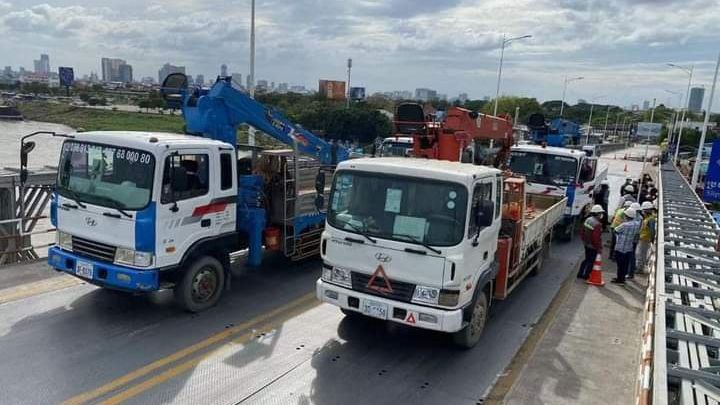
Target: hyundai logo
90,221
382,257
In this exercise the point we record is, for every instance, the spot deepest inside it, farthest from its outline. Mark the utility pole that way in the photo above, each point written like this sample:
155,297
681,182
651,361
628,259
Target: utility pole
251,129
617,121
679,138
349,68
647,143
502,55
607,116
698,157
565,84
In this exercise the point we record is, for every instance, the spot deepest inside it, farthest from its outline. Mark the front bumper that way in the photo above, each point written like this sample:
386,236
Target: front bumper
400,312
105,274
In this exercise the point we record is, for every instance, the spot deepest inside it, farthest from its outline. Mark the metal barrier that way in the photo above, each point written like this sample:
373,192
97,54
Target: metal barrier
680,363
24,214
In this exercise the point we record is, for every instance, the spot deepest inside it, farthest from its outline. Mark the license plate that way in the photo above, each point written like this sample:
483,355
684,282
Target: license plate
84,269
375,309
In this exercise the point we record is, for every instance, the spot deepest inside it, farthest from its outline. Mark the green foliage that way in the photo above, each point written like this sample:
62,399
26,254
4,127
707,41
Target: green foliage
508,104
96,120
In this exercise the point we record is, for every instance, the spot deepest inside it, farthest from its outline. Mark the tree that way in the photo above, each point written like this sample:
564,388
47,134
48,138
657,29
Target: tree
508,104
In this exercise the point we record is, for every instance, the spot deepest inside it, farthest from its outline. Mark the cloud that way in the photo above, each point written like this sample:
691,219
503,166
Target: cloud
396,44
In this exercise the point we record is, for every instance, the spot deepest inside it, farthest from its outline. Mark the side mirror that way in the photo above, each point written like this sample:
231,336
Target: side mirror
25,149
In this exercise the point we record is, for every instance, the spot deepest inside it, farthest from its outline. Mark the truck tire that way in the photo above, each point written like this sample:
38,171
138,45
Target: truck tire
468,336
201,284
350,314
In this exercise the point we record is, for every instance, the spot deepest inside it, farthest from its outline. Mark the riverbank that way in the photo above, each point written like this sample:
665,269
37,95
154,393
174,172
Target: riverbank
100,120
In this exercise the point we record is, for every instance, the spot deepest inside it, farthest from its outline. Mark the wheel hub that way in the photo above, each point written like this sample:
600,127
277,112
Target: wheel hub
204,285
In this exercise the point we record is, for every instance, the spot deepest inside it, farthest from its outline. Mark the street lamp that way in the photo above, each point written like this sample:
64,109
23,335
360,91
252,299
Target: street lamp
502,54
701,146
567,80
671,128
589,125
689,70
251,129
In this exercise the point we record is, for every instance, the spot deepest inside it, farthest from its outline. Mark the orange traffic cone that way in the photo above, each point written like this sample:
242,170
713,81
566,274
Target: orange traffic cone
596,273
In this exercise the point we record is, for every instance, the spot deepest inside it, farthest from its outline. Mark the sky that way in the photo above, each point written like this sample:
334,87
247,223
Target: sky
620,47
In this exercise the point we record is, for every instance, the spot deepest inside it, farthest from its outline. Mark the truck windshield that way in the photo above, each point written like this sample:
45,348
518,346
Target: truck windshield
392,148
401,208
544,168
110,176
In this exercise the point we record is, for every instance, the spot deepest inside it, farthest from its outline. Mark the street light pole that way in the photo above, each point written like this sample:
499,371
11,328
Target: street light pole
698,157
589,125
679,138
647,143
689,70
607,117
502,56
251,129
349,68
565,84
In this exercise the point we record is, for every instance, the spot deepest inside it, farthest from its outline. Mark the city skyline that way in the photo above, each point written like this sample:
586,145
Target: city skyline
620,47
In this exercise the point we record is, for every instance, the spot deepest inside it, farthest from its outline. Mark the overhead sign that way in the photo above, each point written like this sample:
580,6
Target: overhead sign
711,191
648,129
357,93
67,76
332,89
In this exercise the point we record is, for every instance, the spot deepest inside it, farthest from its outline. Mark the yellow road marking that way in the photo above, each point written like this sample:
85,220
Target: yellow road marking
300,303
38,287
190,364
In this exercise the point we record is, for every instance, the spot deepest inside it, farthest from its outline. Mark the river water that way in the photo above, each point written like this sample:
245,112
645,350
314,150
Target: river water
47,148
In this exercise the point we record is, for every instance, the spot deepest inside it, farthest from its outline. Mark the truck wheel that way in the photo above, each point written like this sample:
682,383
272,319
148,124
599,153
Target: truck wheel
468,337
201,284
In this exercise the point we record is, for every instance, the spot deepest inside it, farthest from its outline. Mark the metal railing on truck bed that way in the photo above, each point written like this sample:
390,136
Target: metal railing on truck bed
681,358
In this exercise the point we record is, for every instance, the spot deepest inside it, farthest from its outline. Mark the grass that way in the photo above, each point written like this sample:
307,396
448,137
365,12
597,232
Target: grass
90,119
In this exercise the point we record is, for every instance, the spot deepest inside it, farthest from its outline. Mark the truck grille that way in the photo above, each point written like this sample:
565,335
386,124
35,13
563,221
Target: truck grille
93,249
400,291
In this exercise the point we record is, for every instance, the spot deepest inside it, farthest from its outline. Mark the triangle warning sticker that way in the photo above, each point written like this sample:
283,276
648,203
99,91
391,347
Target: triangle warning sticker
387,288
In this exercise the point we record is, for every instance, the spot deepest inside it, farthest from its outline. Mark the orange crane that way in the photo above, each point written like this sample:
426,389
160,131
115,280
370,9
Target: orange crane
461,135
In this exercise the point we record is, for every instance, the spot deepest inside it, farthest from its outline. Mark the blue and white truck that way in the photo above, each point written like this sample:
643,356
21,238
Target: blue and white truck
141,211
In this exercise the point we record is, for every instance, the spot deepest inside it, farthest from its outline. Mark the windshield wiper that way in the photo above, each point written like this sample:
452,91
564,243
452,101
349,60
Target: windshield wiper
416,240
74,196
114,204
360,231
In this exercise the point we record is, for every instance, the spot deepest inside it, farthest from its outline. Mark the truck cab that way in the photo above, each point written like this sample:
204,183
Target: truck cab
398,146
560,172
132,208
413,241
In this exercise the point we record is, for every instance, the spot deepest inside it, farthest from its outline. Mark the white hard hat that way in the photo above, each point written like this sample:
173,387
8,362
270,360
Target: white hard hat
630,213
629,188
597,208
647,205
627,204
604,183
635,206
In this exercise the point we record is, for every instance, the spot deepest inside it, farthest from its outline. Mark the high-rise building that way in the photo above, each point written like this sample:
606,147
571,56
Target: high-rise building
262,85
200,80
223,70
7,71
42,65
646,105
696,99
423,94
111,69
168,69
126,74
282,87
463,98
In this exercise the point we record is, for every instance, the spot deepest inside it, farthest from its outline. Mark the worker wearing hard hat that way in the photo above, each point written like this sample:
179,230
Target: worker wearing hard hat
601,197
627,187
626,233
618,218
632,260
591,236
646,235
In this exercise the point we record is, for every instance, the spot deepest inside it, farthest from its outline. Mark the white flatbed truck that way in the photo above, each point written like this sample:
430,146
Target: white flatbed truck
430,243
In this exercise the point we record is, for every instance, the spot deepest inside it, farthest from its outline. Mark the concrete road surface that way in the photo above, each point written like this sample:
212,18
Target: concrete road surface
268,341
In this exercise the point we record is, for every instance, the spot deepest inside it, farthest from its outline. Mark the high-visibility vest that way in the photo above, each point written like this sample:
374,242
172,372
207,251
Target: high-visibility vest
618,218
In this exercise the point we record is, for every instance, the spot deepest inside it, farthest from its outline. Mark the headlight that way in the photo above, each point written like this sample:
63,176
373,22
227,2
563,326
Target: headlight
64,240
427,295
341,277
133,258
326,272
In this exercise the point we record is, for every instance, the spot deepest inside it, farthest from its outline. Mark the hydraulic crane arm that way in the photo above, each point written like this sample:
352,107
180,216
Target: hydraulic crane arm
216,114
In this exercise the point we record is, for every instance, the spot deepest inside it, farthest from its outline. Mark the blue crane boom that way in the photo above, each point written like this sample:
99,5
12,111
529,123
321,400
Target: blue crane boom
217,112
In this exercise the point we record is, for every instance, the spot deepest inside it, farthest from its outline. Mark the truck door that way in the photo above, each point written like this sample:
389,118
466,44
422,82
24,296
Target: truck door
481,239
192,204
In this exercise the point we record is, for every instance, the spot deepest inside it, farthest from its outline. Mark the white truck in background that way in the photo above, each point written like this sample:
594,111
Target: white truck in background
430,243
560,172
400,146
